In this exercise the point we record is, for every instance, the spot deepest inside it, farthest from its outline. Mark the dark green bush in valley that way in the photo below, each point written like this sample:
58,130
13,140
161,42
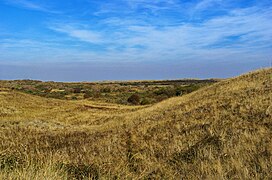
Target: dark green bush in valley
134,99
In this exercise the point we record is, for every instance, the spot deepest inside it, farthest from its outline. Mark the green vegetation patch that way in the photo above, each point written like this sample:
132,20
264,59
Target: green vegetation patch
128,93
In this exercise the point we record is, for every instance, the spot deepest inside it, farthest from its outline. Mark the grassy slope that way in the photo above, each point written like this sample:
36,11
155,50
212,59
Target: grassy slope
221,131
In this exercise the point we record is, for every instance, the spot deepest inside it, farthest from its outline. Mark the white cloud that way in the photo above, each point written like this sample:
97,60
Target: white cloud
79,33
204,4
154,5
251,27
142,40
30,5
131,6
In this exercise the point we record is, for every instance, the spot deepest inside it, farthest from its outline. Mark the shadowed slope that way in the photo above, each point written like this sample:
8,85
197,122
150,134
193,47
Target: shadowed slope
220,132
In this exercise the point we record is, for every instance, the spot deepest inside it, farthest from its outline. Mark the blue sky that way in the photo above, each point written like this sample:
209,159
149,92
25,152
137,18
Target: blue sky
80,40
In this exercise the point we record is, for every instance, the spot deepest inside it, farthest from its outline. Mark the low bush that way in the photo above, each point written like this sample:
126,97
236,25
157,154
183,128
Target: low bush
134,99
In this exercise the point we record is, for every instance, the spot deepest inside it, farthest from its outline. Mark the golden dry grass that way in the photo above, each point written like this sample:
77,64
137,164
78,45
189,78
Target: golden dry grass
223,131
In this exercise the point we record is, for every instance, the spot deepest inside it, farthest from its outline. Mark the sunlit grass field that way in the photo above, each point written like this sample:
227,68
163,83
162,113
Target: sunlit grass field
220,131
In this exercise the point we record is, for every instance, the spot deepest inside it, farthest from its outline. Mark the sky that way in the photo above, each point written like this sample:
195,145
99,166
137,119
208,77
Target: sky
92,40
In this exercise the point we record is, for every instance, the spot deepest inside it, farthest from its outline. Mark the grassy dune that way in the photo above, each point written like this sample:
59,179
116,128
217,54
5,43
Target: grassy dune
223,131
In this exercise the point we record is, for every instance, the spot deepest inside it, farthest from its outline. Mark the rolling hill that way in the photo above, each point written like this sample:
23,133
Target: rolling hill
223,131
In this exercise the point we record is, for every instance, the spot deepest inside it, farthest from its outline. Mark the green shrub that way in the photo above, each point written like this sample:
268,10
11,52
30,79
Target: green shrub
145,101
87,94
77,90
169,92
106,90
134,99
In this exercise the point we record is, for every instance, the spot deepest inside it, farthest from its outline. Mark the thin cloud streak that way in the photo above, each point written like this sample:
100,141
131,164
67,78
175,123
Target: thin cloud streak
31,6
204,4
79,33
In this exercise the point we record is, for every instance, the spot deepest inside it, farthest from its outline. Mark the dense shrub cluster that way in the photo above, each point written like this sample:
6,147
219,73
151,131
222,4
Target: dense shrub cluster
134,99
134,93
